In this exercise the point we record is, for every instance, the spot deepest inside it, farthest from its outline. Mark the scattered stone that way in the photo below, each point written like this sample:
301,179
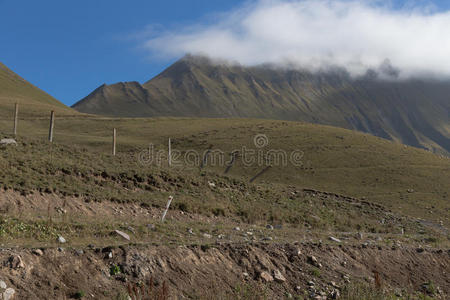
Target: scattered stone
61,240
359,236
60,249
419,250
269,227
266,277
298,252
2,285
249,233
16,262
410,191
8,294
278,276
221,236
80,252
267,238
335,294
237,229
311,283
335,239
346,278
8,142
298,288
190,231
38,252
245,274
313,261
110,255
61,210
211,184
207,235
122,234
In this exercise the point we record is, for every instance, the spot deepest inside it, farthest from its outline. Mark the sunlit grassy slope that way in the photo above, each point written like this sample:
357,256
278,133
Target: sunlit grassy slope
32,101
405,179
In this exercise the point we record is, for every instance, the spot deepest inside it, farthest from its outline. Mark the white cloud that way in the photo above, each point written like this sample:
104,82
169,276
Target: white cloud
315,34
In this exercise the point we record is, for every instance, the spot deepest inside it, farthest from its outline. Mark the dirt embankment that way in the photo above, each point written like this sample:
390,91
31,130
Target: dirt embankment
218,271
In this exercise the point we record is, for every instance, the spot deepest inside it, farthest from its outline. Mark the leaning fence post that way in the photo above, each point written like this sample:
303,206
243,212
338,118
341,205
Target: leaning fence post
52,123
167,208
16,114
114,142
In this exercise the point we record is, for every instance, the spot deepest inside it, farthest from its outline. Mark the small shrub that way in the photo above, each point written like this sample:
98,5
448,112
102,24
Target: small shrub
114,270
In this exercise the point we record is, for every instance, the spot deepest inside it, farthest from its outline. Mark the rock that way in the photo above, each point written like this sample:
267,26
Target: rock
61,240
298,252
298,288
245,274
269,227
8,142
110,255
16,262
419,250
335,294
207,235
278,276
313,261
2,285
266,277
359,236
60,249
38,252
122,234
237,229
335,239
221,236
8,294
267,238
311,283
410,191
211,184
190,231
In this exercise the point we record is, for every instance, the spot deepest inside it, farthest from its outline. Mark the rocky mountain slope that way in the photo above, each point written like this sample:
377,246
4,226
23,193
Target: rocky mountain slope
415,112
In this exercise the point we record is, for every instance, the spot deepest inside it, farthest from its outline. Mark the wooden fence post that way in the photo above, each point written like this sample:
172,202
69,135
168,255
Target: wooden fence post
114,142
16,114
52,123
167,209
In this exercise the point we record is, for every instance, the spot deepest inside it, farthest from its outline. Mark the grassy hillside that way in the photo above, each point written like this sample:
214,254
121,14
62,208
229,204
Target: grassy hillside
32,101
405,179
413,112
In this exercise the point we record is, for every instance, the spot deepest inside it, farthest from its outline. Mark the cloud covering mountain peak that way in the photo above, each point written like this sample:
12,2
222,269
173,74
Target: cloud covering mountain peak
356,35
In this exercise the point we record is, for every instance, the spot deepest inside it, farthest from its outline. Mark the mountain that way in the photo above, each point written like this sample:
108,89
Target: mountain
414,111
32,100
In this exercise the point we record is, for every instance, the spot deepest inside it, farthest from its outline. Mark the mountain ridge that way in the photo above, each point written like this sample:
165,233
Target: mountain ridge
414,111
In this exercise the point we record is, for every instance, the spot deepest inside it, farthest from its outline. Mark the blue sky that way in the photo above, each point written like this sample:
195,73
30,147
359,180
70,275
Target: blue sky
69,48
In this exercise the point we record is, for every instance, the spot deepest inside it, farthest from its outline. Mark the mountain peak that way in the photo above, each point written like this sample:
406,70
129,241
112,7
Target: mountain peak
197,86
